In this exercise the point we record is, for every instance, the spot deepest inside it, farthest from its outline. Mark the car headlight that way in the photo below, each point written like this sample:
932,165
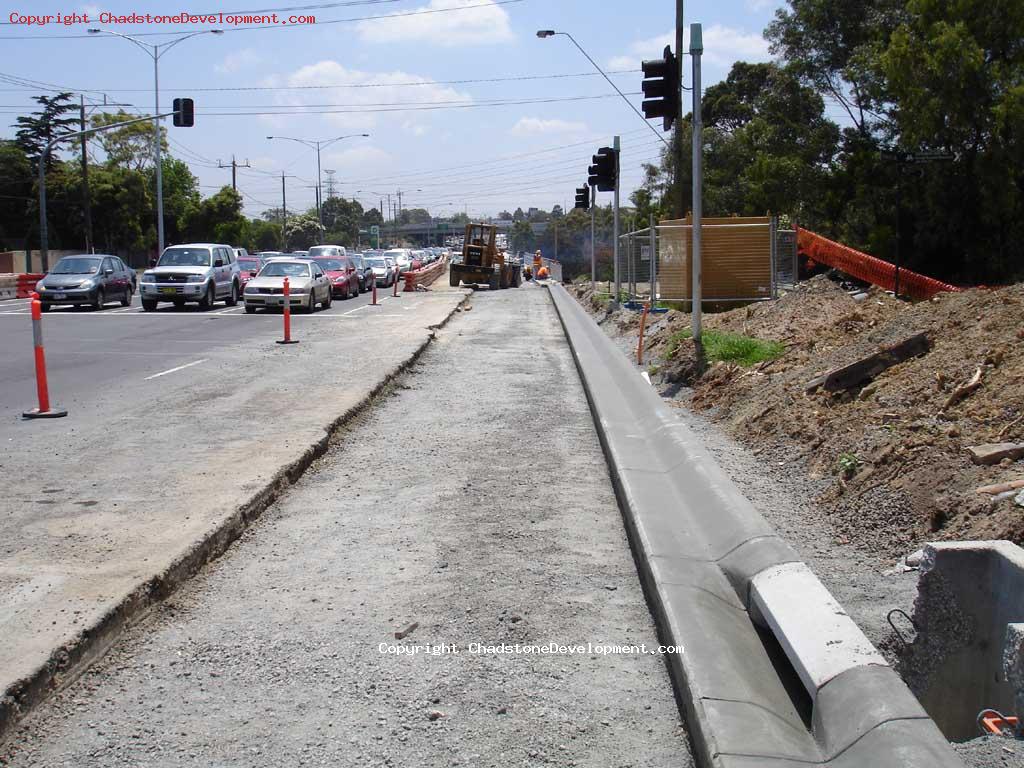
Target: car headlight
196,278
148,277
87,284
339,280
298,291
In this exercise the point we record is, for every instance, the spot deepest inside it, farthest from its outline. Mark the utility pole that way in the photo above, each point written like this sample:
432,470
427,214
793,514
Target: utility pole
615,229
556,239
593,246
696,49
86,198
284,212
679,118
234,170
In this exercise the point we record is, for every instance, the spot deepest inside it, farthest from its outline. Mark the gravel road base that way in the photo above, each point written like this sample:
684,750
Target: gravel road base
472,500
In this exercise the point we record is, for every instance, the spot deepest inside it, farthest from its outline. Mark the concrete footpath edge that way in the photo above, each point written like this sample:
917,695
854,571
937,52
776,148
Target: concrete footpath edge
66,663
773,671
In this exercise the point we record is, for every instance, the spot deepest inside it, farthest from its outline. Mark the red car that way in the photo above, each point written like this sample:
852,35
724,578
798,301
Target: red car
248,267
342,273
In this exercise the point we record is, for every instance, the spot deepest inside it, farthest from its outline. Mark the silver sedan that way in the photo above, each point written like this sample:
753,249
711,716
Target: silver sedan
307,286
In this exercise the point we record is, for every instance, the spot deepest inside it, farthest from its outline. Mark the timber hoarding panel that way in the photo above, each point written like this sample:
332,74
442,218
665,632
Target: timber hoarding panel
736,260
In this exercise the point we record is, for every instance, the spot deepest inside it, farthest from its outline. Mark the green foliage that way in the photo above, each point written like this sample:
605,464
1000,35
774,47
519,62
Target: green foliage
521,237
218,219
847,463
40,127
16,199
130,146
722,346
300,232
342,220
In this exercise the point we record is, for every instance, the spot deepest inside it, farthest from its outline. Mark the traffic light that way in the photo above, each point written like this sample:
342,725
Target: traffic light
582,198
184,113
661,88
605,170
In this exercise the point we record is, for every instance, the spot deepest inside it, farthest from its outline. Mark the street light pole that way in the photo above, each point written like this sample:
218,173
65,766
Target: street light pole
318,145
154,51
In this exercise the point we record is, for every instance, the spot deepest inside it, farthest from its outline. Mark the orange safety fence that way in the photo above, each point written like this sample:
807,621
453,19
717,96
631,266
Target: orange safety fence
867,268
424,275
27,284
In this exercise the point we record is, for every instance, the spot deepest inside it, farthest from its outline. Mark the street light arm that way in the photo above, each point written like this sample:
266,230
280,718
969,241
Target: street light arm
147,47
325,144
310,144
167,46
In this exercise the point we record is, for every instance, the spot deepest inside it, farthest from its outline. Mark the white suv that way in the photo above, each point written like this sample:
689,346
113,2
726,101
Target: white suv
196,272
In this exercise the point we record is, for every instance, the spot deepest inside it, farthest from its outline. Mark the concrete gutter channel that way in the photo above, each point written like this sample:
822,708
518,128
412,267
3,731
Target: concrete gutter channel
773,672
66,663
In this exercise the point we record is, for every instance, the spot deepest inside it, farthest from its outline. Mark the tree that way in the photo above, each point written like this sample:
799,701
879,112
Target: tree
16,198
521,237
519,215
39,128
342,219
372,216
130,146
263,235
504,215
181,196
217,218
556,212
460,218
414,216
301,232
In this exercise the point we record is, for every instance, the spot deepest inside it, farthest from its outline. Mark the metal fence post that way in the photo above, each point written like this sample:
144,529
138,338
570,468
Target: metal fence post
772,254
654,258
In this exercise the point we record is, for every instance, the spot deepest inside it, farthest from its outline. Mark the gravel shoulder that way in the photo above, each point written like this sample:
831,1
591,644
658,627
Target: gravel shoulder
471,500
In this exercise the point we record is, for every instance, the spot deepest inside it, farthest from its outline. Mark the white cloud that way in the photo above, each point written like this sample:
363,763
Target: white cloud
359,162
92,11
722,46
439,24
237,60
760,5
347,107
532,126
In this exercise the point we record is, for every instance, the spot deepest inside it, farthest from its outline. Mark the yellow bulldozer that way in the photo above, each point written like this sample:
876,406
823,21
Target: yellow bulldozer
482,263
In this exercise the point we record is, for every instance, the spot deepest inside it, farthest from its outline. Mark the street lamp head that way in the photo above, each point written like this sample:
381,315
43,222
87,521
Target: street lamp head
216,31
270,137
94,31
364,135
542,33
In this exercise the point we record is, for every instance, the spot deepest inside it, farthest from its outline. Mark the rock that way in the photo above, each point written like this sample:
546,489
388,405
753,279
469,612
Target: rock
502,710
610,587
434,714
993,453
515,619
1019,499
403,633
913,560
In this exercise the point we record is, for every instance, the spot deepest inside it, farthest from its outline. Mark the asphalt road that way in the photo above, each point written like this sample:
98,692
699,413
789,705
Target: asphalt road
470,505
89,352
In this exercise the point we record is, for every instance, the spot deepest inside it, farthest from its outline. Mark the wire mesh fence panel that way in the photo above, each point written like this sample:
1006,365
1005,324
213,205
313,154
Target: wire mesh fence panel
786,271
638,264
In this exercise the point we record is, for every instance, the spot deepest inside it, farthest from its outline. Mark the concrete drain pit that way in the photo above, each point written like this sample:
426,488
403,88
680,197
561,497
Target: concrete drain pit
966,658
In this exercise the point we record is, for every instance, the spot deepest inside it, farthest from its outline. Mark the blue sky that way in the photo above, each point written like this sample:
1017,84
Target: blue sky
508,143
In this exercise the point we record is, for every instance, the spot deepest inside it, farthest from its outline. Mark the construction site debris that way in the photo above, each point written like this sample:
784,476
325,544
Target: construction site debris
993,453
862,371
922,484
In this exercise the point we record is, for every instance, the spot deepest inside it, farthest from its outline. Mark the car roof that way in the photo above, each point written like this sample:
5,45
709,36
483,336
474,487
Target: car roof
199,245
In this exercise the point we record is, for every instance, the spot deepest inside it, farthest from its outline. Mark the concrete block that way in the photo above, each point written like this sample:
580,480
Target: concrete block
819,638
900,744
750,558
742,728
857,701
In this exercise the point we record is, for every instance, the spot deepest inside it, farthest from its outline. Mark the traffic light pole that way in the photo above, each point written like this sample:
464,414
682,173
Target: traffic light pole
593,248
679,97
696,49
615,231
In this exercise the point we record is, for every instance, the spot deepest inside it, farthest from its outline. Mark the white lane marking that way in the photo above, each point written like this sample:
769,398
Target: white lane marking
229,310
124,309
351,311
175,370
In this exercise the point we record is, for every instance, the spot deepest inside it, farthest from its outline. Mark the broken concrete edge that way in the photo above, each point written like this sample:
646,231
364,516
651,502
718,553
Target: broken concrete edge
861,711
68,662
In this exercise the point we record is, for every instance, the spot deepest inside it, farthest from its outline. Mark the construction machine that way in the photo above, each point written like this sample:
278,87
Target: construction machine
482,262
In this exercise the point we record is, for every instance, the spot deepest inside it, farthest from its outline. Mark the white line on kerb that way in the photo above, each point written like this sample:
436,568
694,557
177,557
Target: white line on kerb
174,370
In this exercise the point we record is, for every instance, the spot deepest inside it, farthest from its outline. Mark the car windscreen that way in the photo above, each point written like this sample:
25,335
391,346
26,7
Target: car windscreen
186,257
330,265
324,250
285,269
249,265
379,263
76,266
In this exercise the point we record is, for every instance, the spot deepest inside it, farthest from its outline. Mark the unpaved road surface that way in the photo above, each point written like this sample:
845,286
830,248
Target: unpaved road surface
473,499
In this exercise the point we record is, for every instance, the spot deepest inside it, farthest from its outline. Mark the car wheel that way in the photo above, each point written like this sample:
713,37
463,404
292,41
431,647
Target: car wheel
249,309
148,305
357,290
232,300
100,299
329,300
127,300
310,307
208,298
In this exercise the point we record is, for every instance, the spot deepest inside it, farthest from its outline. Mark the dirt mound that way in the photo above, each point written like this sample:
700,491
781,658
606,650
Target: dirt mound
895,446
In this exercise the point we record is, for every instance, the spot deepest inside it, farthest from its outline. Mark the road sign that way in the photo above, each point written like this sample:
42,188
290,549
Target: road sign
645,253
442,225
374,230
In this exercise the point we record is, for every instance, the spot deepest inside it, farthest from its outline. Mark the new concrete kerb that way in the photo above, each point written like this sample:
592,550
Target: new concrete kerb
774,672
71,659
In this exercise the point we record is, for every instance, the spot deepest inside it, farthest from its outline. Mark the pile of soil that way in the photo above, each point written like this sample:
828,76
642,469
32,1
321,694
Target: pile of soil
894,452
